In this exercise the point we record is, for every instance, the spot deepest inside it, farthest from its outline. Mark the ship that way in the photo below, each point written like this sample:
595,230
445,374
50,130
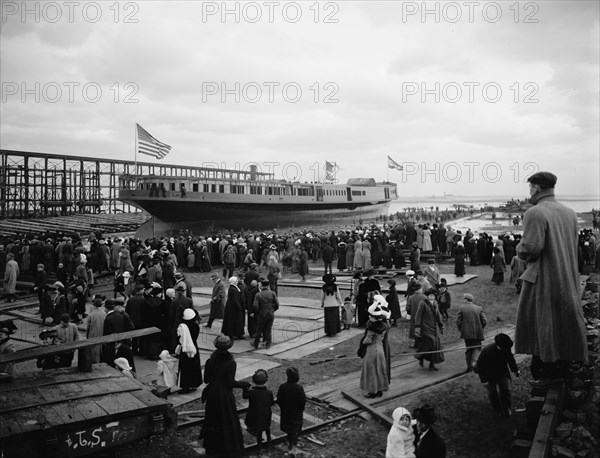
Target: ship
225,198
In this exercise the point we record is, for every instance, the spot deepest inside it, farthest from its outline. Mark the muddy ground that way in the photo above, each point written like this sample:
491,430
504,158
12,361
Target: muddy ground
466,420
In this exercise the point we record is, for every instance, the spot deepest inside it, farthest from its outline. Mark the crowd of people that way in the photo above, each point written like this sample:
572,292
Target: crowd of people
150,289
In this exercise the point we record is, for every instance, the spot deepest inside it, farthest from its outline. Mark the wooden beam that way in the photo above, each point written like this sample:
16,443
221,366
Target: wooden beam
383,418
541,446
34,353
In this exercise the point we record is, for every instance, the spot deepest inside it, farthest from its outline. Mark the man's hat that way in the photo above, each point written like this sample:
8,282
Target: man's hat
544,179
410,272
48,333
264,282
181,287
425,414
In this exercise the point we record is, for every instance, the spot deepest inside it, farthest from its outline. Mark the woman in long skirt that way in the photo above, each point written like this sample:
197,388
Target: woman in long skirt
393,303
331,301
428,327
499,266
190,372
221,430
459,260
375,374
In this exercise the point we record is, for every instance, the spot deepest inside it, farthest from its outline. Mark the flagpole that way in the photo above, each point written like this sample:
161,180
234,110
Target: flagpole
136,151
388,171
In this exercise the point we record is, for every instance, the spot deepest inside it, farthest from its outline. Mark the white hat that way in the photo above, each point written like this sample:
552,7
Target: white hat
123,364
189,314
170,293
233,280
410,272
379,307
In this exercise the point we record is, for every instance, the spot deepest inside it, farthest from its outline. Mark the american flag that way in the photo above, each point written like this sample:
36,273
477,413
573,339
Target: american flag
149,145
392,164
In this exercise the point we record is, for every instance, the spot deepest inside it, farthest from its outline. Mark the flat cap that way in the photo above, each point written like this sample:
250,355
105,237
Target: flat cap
544,179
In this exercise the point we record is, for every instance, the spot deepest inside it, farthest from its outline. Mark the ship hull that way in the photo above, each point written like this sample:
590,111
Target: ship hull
175,214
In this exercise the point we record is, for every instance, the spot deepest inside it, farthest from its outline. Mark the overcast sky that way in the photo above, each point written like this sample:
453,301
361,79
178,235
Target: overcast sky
517,87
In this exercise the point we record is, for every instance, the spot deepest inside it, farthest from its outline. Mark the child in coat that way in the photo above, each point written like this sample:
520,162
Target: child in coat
258,417
166,375
291,400
401,438
347,313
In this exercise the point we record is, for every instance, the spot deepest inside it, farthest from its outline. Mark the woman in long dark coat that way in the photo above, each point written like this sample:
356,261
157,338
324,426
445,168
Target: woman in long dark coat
429,326
331,301
499,266
393,303
233,316
459,260
303,263
154,315
190,372
341,254
221,431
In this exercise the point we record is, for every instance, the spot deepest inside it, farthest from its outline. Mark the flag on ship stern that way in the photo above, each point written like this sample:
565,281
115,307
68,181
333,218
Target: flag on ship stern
392,164
149,145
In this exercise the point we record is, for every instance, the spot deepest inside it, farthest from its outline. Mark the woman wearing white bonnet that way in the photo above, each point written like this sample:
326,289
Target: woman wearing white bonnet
190,372
375,374
401,438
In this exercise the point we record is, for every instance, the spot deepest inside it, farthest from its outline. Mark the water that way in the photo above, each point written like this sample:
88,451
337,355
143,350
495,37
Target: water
581,204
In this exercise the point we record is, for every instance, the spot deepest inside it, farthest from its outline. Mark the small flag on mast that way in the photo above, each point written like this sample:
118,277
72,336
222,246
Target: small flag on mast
330,169
149,145
392,164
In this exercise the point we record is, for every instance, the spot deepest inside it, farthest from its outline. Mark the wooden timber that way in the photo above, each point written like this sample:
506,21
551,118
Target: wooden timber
35,353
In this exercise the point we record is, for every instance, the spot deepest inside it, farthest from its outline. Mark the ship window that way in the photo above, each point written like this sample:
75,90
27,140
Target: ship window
364,193
195,187
172,186
205,187
222,188
213,188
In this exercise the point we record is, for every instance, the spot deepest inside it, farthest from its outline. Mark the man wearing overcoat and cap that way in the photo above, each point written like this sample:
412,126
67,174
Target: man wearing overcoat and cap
550,323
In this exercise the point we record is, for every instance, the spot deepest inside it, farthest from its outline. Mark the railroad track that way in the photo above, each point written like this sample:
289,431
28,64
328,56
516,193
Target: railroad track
313,423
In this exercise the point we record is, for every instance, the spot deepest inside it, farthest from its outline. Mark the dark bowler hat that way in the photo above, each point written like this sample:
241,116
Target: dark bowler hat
425,414
544,179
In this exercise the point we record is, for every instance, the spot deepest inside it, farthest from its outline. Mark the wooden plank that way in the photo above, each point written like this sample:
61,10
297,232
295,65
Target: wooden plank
383,418
27,355
541,445
56,376
58,394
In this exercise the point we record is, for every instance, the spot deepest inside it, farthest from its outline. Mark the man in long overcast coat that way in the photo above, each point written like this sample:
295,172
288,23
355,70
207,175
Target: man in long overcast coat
550,323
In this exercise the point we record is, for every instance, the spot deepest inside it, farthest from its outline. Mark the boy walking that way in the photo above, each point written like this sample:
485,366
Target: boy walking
291,400
260,400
